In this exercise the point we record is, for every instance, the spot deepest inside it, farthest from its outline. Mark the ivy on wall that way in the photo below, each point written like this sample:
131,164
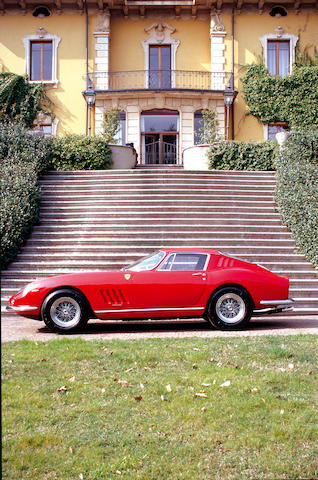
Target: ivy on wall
20,100
292,99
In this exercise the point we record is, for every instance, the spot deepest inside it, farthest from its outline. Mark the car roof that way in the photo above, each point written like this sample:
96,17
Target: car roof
192,250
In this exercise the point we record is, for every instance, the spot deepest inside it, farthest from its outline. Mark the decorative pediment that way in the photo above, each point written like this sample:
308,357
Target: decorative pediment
160,33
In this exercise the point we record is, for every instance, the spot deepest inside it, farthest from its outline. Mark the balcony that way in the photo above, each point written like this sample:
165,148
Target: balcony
159,80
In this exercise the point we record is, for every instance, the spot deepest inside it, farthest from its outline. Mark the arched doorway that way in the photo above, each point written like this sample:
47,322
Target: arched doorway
160,137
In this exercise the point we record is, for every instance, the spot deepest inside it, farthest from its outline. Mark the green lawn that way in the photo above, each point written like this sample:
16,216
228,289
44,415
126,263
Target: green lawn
156,409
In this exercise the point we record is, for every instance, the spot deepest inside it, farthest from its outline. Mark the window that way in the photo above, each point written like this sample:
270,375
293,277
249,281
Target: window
41,61
185,262
44,125
159,66
41,12
41,57
198,127
273,129
43,130
147,263
279,51
278,57
121,134
278,11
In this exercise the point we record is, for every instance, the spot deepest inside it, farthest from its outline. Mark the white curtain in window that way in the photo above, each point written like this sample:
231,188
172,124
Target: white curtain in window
283,58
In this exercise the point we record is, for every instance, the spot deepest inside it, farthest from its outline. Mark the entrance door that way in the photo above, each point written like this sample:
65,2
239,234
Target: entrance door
160,137
160,148
152,149
160,66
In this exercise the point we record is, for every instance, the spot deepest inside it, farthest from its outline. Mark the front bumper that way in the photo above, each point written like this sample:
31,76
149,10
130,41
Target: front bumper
21,308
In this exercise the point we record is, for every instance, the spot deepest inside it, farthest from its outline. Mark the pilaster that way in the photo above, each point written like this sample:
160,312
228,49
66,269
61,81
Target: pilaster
102,36
217,34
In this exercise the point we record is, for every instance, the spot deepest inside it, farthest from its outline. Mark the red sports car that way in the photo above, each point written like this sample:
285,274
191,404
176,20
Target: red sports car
169,283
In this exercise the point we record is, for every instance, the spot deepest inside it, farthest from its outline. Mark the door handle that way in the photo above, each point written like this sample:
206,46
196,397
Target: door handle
199,274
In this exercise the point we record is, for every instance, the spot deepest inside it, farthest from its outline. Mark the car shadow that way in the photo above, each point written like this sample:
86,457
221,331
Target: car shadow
183,326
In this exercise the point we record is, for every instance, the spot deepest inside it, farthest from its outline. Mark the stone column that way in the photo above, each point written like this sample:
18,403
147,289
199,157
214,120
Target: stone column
217,34
102,35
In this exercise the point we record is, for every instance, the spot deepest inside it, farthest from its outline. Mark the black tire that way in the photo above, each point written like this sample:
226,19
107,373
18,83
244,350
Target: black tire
230,308
64,311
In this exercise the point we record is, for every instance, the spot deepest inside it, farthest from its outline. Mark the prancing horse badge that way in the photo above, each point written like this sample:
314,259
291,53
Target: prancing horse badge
127,276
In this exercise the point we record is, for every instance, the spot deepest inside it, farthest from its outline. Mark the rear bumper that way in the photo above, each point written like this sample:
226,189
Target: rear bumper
288,301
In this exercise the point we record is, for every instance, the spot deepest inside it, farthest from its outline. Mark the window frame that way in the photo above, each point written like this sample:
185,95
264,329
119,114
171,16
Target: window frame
279,124
293,39
277,56
42,37
174,254
42,54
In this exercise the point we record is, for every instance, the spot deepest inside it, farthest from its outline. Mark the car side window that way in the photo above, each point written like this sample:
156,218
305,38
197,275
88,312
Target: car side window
185,261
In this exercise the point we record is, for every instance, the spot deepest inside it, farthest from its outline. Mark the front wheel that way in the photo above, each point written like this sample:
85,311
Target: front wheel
64,311
230,308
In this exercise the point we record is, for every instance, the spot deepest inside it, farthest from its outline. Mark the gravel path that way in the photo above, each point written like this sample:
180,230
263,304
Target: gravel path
18,328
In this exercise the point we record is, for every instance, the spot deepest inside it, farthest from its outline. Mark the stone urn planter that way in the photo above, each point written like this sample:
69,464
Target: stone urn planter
124,157
196,157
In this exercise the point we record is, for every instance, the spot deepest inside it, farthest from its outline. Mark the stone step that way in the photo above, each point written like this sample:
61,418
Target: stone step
158,224
126,259
233,210
155,195
167,231
199,214
104,220
110,188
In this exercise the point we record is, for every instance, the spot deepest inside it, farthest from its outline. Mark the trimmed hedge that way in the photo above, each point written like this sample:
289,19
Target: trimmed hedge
233,155
78,152
297,191
22,158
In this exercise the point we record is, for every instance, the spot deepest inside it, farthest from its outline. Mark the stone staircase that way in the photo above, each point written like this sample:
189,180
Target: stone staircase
103,220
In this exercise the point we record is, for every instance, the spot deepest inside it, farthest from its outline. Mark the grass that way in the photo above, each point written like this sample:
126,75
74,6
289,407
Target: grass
155,426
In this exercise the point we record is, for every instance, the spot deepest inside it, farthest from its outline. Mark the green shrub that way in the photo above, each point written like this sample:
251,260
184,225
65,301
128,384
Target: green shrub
111,125
78,152
232,155
297,191
292,99
22,158
20,100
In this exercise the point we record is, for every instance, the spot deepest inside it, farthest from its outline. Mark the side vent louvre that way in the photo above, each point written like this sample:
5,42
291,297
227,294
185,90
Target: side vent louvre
224,262
114,297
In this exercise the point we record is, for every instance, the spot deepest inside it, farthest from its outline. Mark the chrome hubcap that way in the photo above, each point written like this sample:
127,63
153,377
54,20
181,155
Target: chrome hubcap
65,312
230,308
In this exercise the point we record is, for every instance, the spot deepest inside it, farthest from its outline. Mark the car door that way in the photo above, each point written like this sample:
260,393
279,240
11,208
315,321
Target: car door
178,283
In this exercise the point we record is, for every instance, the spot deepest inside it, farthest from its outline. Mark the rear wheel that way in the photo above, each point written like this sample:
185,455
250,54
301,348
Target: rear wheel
230,308
64,311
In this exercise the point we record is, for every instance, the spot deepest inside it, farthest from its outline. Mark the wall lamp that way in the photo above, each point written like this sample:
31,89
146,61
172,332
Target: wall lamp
90,97
229,97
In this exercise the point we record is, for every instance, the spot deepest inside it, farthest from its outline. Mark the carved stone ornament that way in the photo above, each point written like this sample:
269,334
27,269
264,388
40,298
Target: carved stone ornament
216,24
103,22
41,32
160,32
279,31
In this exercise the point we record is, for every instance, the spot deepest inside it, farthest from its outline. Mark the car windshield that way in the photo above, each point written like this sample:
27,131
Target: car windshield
147,263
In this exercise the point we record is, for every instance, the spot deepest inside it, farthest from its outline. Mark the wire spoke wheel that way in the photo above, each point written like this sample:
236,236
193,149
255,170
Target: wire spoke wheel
230,308
65,311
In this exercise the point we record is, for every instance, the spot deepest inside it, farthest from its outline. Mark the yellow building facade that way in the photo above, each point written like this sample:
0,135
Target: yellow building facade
160,62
